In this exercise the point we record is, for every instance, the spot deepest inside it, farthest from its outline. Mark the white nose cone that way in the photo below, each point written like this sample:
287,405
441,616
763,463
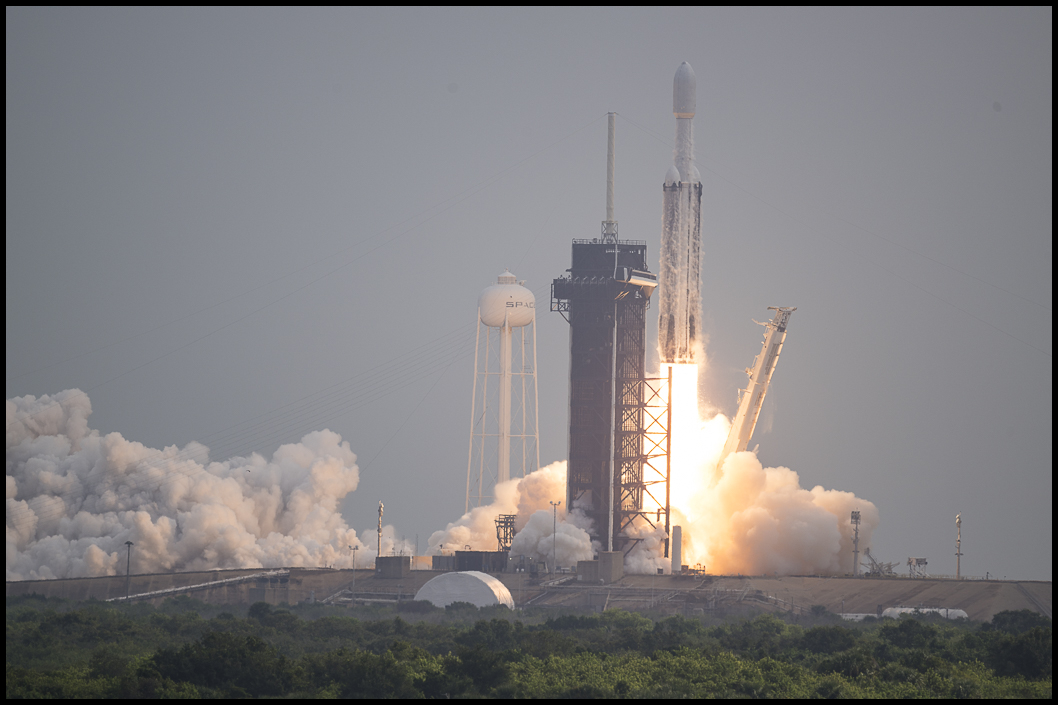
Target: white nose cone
683,89
673,176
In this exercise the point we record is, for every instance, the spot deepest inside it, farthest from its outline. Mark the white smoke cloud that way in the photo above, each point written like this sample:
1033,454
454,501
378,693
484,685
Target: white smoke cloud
543,537
760,520
648,554
75,497
529,499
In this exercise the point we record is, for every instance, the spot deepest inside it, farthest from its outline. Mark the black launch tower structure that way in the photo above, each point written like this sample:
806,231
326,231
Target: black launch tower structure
618,418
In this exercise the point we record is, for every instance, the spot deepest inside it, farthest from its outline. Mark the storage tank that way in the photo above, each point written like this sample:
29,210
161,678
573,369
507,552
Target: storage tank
676,551
503,307
506,300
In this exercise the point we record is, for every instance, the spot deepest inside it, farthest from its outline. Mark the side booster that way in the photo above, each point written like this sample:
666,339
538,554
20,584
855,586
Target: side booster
679,290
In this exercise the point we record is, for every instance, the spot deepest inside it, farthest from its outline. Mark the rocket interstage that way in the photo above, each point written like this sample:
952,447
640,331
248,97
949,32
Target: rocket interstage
679,290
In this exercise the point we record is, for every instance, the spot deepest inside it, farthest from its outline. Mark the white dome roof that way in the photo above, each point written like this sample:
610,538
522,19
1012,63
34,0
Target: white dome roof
507,298
672,176
471,586
695,176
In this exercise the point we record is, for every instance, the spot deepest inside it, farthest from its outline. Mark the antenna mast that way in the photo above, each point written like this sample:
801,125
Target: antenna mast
609,226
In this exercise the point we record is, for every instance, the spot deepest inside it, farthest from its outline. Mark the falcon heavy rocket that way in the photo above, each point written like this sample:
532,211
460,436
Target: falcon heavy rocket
680,297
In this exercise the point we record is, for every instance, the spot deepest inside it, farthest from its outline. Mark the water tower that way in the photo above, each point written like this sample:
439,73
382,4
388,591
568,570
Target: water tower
504,421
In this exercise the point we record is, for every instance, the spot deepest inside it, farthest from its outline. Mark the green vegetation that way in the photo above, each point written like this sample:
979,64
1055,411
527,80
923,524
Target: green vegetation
187,649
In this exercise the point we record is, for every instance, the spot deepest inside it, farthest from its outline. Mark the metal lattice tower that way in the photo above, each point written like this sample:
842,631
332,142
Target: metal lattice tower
505,530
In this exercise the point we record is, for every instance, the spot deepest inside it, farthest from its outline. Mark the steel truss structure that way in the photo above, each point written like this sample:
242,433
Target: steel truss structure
644,463
505,531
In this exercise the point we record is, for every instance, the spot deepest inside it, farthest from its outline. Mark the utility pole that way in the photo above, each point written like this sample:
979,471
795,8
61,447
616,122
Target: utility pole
958,546
128,567
554,536
354,570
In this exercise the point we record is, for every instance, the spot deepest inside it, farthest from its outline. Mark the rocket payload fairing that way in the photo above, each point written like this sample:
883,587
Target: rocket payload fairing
680,289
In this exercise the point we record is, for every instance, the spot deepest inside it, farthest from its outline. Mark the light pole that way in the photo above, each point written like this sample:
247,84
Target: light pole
354,570
128,567
958,546
554,536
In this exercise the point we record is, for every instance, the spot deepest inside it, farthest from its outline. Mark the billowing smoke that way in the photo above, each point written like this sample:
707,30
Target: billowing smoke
529,499
758,520
75,497
544,536
648,554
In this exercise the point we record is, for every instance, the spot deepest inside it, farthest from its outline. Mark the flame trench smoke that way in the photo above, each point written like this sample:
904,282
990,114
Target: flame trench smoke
75,497
529,499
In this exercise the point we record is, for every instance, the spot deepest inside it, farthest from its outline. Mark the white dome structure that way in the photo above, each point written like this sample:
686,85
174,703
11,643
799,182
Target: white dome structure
471,586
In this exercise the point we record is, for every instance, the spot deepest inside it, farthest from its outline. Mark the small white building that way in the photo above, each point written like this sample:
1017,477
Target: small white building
896,612
479,589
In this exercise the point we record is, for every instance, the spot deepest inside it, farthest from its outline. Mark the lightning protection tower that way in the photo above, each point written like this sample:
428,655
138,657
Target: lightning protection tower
504,421
618,469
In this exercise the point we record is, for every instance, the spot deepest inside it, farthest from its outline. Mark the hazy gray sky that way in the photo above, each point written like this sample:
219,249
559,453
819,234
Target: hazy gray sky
214,213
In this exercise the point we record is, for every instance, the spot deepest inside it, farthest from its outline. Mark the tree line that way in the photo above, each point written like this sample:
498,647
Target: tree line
186,648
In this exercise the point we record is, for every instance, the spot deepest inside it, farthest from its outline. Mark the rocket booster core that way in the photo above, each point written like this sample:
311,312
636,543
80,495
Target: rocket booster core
680,305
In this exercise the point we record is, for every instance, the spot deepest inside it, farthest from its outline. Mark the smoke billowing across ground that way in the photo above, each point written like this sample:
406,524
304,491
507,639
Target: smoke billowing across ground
743,518
75,497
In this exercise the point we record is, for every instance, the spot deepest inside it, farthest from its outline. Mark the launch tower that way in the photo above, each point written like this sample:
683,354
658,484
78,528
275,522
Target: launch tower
615,466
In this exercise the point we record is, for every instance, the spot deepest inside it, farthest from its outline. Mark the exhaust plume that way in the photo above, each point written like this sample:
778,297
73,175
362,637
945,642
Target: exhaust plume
743,517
